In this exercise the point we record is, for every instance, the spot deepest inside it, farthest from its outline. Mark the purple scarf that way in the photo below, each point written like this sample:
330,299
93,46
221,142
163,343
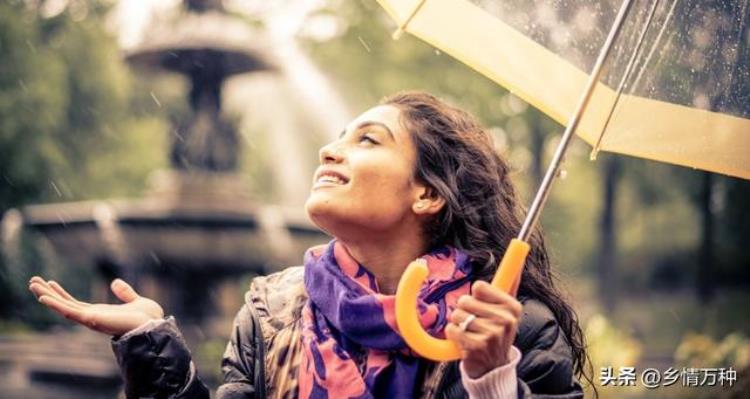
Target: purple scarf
351,344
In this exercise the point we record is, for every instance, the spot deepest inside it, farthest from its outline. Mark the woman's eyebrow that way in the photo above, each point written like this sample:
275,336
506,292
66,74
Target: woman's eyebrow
371,123
378,124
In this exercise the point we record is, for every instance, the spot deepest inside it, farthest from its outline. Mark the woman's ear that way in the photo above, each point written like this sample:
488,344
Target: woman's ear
428,201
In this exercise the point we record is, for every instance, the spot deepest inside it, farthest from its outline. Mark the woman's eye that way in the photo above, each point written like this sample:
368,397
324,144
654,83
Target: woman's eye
368,138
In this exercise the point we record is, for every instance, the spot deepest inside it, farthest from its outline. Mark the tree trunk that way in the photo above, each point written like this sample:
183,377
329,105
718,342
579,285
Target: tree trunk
607,256
705,281
537,150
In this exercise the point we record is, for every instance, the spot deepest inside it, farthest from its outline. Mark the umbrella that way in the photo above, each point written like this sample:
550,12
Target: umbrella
666,80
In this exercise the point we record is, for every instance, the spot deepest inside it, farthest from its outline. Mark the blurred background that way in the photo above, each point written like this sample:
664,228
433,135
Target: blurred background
172,143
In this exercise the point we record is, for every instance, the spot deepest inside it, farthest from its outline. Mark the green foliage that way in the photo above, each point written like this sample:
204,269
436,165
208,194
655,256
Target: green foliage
71,126
702,351
65,127
367,64
209,352
614,343
32,102
603,336
610,346
697,350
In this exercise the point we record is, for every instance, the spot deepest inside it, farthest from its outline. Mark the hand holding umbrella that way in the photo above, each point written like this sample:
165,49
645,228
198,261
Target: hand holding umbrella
109,319
484,326
506,279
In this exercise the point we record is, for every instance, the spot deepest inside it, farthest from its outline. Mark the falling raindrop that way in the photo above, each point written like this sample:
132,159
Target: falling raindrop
31,46
154,257
437,52
156,100
178,135
54,187
562,173
364,44
62,220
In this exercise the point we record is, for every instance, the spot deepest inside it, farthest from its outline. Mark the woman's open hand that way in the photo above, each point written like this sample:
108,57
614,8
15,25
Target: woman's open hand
114,320
485,345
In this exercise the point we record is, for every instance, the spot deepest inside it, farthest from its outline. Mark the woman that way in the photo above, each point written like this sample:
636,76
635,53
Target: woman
410,178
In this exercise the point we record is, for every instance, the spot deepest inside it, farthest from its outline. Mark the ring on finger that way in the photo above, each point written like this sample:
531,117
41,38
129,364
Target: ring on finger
465,324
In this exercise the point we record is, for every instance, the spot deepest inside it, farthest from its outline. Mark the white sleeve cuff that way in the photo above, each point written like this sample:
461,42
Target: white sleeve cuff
499,383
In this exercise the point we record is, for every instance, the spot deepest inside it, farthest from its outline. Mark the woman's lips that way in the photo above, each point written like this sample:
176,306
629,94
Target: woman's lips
329,178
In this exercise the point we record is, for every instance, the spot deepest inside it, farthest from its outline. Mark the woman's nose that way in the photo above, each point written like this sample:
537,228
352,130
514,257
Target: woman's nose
330,153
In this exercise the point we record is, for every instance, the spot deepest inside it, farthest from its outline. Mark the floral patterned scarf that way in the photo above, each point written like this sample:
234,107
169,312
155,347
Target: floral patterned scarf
351,344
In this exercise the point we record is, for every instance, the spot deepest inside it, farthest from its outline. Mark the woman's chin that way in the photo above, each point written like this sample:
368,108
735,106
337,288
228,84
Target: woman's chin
316,204
330,218
319,210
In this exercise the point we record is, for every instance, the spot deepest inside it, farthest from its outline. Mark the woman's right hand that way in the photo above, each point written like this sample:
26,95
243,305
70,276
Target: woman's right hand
114,320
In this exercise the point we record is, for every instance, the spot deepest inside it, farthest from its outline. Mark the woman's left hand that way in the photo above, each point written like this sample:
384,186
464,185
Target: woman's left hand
485,345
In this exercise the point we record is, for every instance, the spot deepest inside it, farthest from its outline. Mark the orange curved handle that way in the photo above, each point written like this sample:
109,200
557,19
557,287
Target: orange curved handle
407,318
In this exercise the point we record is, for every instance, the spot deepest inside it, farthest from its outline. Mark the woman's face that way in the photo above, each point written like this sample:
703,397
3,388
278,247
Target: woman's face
364,184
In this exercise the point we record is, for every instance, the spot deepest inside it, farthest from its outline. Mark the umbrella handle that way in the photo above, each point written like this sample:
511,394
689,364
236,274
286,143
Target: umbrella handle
507,279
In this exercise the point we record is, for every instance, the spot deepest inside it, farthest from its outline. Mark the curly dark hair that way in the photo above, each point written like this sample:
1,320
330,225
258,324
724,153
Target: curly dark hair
457,158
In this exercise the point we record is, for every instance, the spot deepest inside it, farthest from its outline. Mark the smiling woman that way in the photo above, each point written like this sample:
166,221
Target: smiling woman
412,178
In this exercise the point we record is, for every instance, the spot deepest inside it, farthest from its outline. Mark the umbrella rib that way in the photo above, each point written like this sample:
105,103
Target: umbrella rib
625,75
656,44
402,27
541,195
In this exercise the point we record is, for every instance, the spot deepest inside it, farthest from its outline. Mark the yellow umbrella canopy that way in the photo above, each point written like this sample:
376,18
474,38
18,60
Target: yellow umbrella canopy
675,88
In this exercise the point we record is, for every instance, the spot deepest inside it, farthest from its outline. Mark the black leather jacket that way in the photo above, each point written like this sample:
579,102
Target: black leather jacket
157,363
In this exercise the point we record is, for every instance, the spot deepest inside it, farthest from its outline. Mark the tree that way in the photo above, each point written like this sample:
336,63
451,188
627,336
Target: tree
66,126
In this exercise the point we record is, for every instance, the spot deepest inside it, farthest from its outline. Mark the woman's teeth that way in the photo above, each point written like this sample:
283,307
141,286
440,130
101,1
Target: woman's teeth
331,179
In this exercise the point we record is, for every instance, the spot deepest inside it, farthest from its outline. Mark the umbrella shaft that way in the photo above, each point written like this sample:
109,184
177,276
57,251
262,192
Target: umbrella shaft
552,171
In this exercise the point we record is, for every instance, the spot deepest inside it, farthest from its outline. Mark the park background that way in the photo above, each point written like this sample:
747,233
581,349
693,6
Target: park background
653,257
